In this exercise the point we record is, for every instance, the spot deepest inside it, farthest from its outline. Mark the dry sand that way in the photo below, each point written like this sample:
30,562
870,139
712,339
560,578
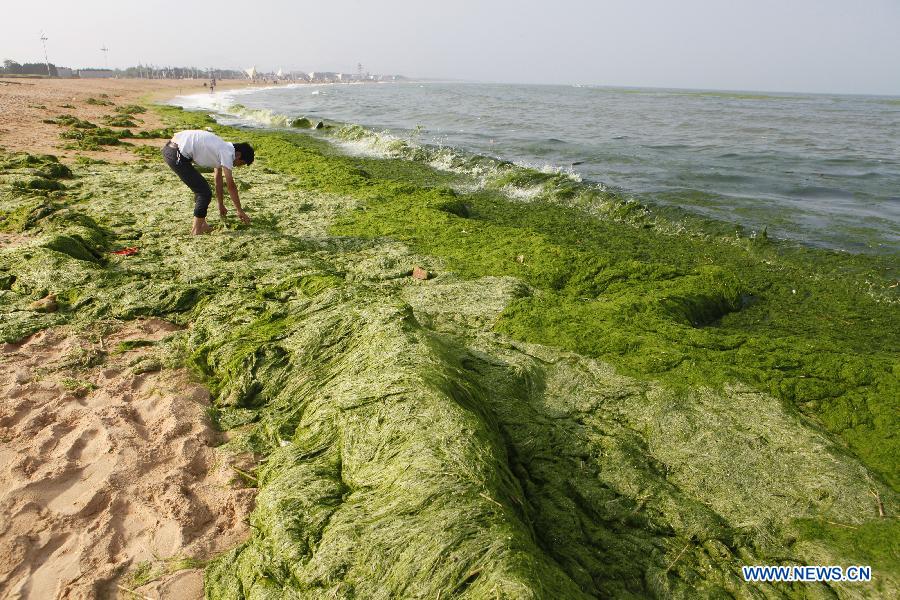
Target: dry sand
108,476
25,103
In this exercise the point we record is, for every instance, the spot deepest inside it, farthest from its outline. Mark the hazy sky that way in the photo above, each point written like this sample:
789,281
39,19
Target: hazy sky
846,46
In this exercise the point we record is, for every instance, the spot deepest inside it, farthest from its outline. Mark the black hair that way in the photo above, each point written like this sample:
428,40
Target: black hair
246,151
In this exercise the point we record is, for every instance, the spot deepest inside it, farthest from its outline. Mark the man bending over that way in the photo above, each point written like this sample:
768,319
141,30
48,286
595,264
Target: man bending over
207,150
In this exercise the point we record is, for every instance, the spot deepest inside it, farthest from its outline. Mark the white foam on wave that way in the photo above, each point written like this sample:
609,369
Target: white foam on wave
361,148
226,108
207,101
481,171
528,193
550,169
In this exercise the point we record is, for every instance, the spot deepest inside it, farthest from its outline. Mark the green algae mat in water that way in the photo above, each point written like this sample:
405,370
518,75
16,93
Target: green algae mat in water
585,402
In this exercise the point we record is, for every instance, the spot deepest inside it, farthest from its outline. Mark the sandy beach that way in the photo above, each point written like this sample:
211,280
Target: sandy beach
110,484
26,103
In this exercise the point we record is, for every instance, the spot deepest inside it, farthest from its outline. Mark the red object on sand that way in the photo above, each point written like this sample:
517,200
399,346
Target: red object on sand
126,251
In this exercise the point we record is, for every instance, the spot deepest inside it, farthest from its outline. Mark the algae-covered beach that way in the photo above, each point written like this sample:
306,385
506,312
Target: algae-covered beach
585,398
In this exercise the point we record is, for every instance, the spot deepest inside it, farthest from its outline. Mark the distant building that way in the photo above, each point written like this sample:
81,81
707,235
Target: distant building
332,77
323,76
64,72
96,73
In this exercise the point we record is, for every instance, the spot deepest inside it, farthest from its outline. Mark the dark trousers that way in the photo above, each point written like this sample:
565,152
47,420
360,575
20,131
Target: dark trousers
184,168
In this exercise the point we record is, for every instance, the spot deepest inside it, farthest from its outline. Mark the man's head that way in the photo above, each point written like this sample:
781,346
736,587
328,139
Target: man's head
243,154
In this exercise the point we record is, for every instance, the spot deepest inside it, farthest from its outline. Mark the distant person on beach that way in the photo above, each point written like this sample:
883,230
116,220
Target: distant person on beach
212,85
207,150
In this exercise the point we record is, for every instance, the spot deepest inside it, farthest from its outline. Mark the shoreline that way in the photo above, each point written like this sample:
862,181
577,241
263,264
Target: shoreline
863,227
568,401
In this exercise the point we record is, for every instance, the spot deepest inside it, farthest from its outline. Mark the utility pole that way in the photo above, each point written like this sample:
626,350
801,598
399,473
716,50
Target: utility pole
44,39
105,51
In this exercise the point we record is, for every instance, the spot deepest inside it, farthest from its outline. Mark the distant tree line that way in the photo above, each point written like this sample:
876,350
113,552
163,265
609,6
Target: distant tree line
156,72
11,67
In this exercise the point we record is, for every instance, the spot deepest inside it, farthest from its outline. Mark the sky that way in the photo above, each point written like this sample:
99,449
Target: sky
829,46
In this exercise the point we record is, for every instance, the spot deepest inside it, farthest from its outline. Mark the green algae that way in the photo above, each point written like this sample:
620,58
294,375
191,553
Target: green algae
764,314
71,121
99,102
305,123
844,379
78,387
150,134
87,160
89,136
30,176
119,121
152,570
691,309
129,345
36,185
873,543
131,109
418,443
94,139
146,152
42,165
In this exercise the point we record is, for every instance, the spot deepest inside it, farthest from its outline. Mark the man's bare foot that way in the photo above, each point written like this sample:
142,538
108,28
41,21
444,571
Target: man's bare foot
200,227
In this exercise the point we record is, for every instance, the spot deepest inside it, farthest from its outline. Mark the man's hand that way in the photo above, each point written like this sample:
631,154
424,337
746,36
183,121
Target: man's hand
233,192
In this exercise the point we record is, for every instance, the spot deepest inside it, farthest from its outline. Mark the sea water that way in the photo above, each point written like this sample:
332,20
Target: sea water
822,170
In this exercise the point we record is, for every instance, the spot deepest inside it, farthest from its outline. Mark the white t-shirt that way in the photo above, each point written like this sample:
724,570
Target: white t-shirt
205,148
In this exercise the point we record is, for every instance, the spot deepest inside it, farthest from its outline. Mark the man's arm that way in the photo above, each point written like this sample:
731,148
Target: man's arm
233,192
219,195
